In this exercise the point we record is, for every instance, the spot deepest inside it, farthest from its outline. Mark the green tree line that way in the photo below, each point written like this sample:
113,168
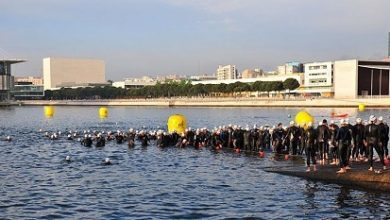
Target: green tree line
170,89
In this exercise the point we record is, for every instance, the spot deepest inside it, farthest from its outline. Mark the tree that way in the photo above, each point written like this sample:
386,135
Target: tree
290,84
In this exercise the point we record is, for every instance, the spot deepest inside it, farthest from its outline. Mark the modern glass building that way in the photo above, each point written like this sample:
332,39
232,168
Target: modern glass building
27,91
6,79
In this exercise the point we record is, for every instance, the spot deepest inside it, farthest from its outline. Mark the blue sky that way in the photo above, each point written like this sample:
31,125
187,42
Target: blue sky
160,37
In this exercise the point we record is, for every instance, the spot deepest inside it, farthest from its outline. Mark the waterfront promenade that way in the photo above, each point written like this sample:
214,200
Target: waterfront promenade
219,102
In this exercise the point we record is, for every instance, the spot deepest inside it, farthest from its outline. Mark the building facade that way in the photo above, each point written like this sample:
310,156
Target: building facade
248,73
38,81
133,83
6,79
64,72
27,91
318,74
290,68
358,78
227,72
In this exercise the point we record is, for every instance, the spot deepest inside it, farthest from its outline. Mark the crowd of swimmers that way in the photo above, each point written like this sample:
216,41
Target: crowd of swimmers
333,143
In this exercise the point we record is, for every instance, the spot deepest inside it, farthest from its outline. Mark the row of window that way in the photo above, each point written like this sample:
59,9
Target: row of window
324,67
318,81
317,74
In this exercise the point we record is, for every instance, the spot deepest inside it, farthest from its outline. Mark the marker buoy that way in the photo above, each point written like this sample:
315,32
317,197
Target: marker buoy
387,161
103,112
177,123
261,154
303,118
49,111
361,107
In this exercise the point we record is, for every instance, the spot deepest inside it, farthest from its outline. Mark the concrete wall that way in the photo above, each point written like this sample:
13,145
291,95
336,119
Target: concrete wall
59,72
345,79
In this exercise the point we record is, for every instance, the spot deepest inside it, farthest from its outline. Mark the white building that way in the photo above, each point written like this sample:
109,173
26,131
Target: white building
318,74
64,72
227,72
135,82
281,78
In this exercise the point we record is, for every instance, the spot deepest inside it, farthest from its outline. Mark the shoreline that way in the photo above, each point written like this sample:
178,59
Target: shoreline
214,102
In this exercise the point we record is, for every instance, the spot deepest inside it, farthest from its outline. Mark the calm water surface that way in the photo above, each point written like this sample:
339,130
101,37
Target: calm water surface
150,182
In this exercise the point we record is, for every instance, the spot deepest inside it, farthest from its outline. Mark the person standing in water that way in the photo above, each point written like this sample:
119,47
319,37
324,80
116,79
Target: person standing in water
372,135
310,149
344,138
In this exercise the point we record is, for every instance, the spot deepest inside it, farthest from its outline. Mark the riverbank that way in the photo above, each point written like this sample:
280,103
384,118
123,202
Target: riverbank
217,102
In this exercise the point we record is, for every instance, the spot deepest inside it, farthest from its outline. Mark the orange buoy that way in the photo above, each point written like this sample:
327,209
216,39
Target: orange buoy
286,157
261,154
237,150
387,161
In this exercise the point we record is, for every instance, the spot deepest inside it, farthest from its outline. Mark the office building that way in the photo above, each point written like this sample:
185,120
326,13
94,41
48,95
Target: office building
318,74
64,72
38,81
248,73
27,91
290,68
227,72
6,79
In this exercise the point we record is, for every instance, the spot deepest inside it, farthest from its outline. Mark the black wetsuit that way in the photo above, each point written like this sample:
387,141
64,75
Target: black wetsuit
278,135
254,138
100,142
144,140
293,135
333,144
358,137
344,137
87,142
323,135
372,136
310,146
384,137
246,140
119,138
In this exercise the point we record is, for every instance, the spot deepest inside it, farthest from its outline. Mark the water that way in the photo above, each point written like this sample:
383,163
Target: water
150,182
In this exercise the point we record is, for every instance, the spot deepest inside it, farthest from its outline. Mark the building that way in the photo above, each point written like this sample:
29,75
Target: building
203,77
318,74
38,81
133,83
358,78
227,72
248,73
282,78
290,68
27,91
64,72
6,79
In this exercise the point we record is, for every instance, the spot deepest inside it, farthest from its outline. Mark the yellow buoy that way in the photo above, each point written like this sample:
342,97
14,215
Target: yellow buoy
303,118
361,107
177,123
103,112
49,111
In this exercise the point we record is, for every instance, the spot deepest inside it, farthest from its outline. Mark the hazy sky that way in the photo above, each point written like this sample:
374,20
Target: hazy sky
160,37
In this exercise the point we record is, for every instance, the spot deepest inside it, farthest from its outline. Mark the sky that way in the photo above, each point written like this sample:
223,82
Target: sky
190,37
